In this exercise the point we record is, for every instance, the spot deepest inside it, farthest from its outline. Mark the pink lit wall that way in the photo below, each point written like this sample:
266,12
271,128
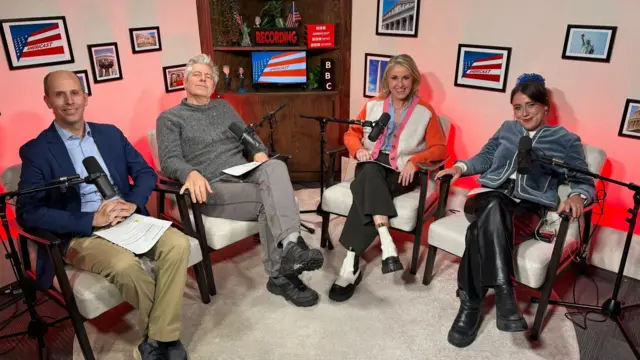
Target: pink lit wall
132,103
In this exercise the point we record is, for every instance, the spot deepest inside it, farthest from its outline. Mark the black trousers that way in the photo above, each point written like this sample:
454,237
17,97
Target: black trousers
488,259
373,190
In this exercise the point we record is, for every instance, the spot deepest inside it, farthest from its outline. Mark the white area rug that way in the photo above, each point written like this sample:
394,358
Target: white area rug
390,316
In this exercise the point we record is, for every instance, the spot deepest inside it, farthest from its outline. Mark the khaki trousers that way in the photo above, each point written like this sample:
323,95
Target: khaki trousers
159,302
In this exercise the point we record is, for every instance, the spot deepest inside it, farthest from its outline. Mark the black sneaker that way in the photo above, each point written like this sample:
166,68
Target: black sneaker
149,350
175,350
298,257
293,290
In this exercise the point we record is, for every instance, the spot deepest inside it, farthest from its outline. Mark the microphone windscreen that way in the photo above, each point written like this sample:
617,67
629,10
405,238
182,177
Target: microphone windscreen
384,119
236,129
525,143
92,165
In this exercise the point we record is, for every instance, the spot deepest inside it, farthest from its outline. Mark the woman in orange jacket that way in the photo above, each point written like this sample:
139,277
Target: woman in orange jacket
386,167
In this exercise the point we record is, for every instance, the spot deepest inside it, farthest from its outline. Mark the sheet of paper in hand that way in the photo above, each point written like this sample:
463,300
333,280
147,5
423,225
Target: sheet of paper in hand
244,168
137,233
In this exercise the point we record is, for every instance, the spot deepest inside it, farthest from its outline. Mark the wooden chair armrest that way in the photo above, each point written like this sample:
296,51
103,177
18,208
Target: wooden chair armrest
425,167
170,189
163,179
40,236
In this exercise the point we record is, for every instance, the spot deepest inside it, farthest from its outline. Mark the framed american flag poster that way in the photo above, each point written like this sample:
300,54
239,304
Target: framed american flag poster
483,67
33,42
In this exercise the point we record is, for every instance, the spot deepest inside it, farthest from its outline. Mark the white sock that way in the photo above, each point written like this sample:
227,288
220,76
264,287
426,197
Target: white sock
293,237
346,275
388,247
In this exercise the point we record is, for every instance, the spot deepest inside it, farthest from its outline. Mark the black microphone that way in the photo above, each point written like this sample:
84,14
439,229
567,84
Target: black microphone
101,181
379,126
248,141
523,157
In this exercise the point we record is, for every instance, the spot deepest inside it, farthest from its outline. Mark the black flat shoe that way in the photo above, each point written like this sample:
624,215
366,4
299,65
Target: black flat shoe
508,315
391,264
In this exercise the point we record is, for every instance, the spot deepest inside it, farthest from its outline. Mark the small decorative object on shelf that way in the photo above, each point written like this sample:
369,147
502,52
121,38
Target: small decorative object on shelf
242,89
258,20
328,74
271,14
245,34
320,36
227,77
294,18
229,31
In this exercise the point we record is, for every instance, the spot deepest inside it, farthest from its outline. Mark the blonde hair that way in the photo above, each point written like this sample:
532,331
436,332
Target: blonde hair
203,59
406,61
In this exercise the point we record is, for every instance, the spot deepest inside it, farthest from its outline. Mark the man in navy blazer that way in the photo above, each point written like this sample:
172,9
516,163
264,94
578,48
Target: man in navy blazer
74,213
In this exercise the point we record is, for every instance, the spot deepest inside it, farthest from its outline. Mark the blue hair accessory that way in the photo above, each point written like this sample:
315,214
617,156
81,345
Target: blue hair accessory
530,78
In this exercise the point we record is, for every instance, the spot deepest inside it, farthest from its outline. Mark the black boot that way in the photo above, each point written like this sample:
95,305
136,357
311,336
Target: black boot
465,327
508,315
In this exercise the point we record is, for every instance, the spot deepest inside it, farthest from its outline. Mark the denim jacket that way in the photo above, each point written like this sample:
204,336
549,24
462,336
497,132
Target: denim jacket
497,162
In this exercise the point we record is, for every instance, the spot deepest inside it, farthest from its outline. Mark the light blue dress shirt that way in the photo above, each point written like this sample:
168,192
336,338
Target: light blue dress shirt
78,150
391,128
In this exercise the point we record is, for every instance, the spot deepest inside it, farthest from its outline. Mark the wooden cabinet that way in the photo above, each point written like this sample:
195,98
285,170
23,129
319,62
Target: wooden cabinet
293,135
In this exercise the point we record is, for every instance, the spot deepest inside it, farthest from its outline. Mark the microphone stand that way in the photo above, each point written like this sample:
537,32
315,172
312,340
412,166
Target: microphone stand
37,328
323,129
612,308
271,118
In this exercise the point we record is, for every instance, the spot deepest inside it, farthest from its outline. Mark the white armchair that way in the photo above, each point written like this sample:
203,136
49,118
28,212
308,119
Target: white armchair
537,263
83,294
216,232
412,212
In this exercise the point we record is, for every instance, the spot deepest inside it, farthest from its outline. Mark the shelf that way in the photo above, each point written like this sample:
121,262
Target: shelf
286,93
269,48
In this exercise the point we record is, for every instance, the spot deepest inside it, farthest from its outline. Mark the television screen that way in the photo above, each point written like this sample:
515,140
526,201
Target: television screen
279,67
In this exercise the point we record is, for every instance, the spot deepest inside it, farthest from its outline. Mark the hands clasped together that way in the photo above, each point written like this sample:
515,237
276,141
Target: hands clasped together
112,212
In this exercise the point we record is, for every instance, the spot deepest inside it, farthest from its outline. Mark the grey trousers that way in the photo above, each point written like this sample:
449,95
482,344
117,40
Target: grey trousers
264,194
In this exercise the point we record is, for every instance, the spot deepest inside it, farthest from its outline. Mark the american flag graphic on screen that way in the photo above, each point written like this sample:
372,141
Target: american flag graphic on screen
280,67
482,66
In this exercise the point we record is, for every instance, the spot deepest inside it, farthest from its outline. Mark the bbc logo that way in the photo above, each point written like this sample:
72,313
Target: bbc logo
328,74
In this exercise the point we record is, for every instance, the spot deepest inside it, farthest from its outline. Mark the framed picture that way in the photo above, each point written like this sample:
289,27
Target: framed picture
174,77
105,62
374,67
630,124
33,42
482,67
145,39
589,42
84,80
398,18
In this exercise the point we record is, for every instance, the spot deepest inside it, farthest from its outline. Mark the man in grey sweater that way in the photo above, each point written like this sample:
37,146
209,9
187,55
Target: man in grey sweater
195,146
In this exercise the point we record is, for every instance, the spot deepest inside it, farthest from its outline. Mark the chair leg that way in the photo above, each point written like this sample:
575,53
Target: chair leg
419,224
547,288
81,332
198,269
208,271
325,241
70,303
428,269
416,249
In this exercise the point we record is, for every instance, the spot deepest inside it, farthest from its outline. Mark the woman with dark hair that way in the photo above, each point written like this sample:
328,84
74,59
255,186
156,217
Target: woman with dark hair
488,258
